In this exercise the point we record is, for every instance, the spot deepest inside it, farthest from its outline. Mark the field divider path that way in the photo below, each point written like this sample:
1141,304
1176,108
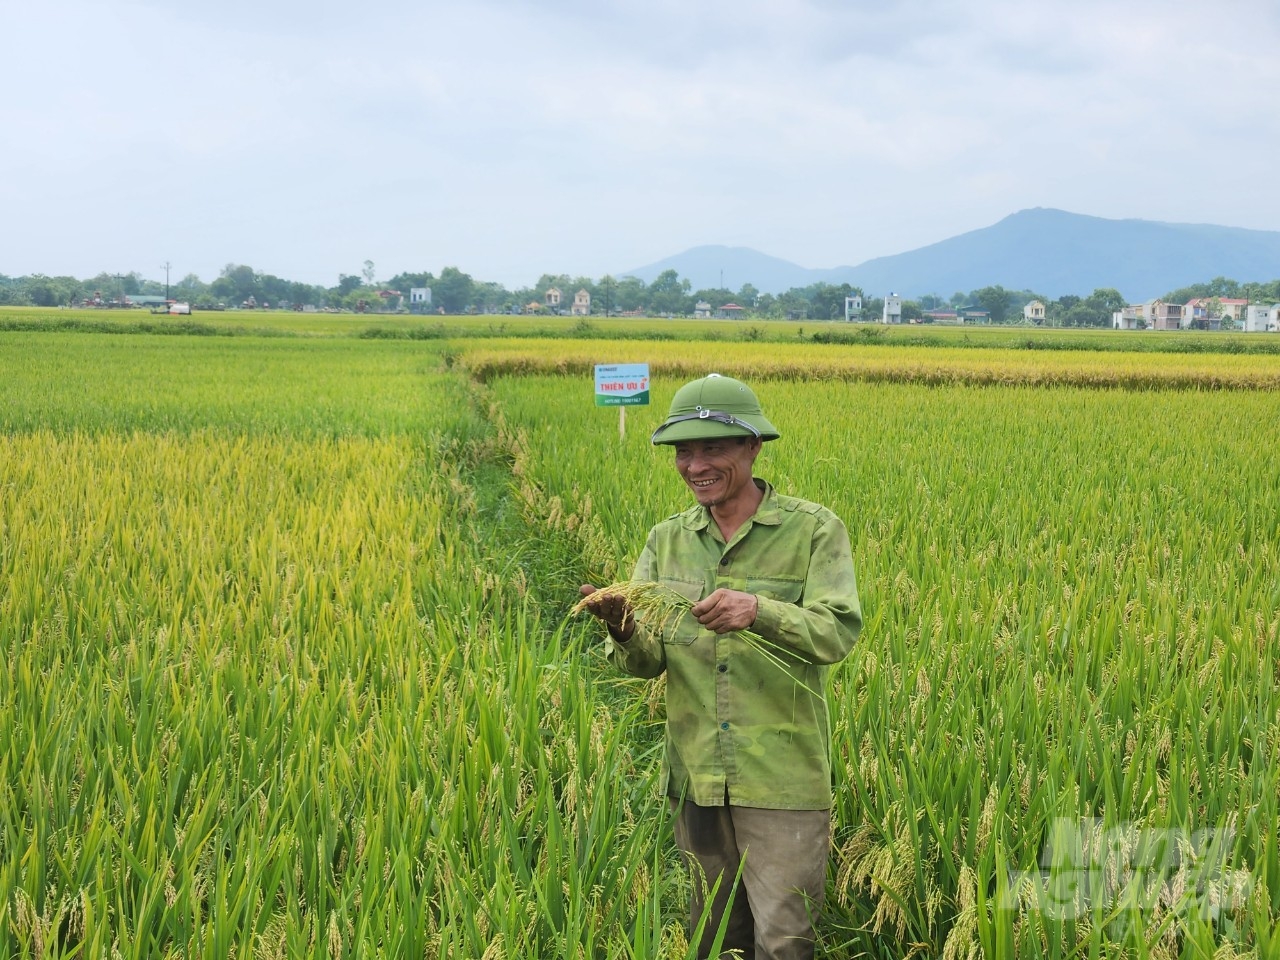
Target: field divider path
544,543
535,550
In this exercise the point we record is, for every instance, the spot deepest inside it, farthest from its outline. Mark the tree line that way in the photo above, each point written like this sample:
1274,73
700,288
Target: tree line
456,292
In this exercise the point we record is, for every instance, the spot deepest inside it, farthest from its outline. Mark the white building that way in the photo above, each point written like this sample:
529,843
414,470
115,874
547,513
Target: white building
581,304
702,310
1261,318
853,307
1132,317
1033,311
892,309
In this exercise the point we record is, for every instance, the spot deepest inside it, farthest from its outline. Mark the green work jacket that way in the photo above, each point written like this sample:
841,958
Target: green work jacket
737,722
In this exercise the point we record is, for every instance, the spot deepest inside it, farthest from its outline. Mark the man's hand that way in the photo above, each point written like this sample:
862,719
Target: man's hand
614,611
726,610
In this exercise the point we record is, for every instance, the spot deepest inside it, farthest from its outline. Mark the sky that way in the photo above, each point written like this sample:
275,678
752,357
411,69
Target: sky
512,138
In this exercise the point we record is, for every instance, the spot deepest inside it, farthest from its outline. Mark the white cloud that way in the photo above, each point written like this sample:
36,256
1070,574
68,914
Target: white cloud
511,137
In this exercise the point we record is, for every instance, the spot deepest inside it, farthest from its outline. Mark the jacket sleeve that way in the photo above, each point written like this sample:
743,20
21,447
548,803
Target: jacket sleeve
824,624
643,655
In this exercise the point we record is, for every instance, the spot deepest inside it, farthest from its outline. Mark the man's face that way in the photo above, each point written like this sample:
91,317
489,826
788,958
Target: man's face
717,471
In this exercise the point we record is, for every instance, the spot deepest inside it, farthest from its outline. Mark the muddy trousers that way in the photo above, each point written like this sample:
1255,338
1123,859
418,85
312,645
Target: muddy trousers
783,858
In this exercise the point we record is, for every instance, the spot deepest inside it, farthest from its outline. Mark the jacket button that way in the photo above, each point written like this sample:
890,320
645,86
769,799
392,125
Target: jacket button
723,667
724,726
724,561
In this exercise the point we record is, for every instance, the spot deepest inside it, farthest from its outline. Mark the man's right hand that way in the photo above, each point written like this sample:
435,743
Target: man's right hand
614,611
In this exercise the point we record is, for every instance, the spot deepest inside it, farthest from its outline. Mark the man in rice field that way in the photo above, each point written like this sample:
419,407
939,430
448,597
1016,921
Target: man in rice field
774,601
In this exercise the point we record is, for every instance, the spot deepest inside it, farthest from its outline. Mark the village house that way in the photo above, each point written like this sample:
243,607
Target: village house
961,315
1200,313
581,304
1262,318
1209,312
1132,317
552,299
941,316
702,310
1164,316
730,311
892,312
1233,308
1034,311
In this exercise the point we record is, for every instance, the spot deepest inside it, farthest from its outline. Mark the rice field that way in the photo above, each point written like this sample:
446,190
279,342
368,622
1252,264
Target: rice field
288,667
996,365
1071,601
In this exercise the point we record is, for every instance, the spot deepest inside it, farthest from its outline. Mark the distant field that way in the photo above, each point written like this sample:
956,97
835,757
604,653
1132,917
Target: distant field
95,382
888,362
285,668
405,326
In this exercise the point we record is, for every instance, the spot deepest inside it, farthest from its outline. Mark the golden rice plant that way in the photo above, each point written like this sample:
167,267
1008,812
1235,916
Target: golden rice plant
931,365
660,608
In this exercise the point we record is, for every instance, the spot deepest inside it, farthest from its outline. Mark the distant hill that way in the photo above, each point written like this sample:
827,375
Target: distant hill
703,267
1049,251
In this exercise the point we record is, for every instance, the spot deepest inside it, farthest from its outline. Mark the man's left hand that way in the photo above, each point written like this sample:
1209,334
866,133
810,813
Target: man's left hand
726,610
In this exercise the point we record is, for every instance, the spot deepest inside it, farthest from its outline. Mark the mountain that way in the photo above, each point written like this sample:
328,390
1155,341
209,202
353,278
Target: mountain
704,266
1051,252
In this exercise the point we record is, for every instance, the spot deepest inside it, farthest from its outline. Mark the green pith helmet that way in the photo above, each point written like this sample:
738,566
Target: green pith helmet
714,407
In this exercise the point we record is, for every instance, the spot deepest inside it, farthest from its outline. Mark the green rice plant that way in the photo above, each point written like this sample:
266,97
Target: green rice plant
284,668
269,687
1071,631
291,386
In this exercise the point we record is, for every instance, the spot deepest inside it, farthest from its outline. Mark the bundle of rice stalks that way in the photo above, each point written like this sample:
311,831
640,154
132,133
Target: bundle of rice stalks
659,608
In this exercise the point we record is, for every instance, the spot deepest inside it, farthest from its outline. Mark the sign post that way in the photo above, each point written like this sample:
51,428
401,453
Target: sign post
622,385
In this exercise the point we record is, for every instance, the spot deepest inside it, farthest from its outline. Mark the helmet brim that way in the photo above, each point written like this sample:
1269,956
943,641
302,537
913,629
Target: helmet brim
676,430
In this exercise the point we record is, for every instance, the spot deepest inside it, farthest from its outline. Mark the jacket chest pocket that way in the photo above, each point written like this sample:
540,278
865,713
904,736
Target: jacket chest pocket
682,629
782,589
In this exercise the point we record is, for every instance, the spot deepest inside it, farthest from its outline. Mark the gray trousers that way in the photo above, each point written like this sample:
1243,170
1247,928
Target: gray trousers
783,858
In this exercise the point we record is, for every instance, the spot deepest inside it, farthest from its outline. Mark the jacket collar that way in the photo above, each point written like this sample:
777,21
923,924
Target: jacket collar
768,513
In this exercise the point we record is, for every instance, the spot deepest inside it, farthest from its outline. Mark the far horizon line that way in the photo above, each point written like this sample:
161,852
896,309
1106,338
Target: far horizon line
661,263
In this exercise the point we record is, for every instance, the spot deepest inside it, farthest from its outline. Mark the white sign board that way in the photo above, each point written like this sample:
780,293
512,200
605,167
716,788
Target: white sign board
622,385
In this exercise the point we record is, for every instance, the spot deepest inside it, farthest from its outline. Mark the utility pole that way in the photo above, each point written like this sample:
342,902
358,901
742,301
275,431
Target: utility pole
120,281
166,279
